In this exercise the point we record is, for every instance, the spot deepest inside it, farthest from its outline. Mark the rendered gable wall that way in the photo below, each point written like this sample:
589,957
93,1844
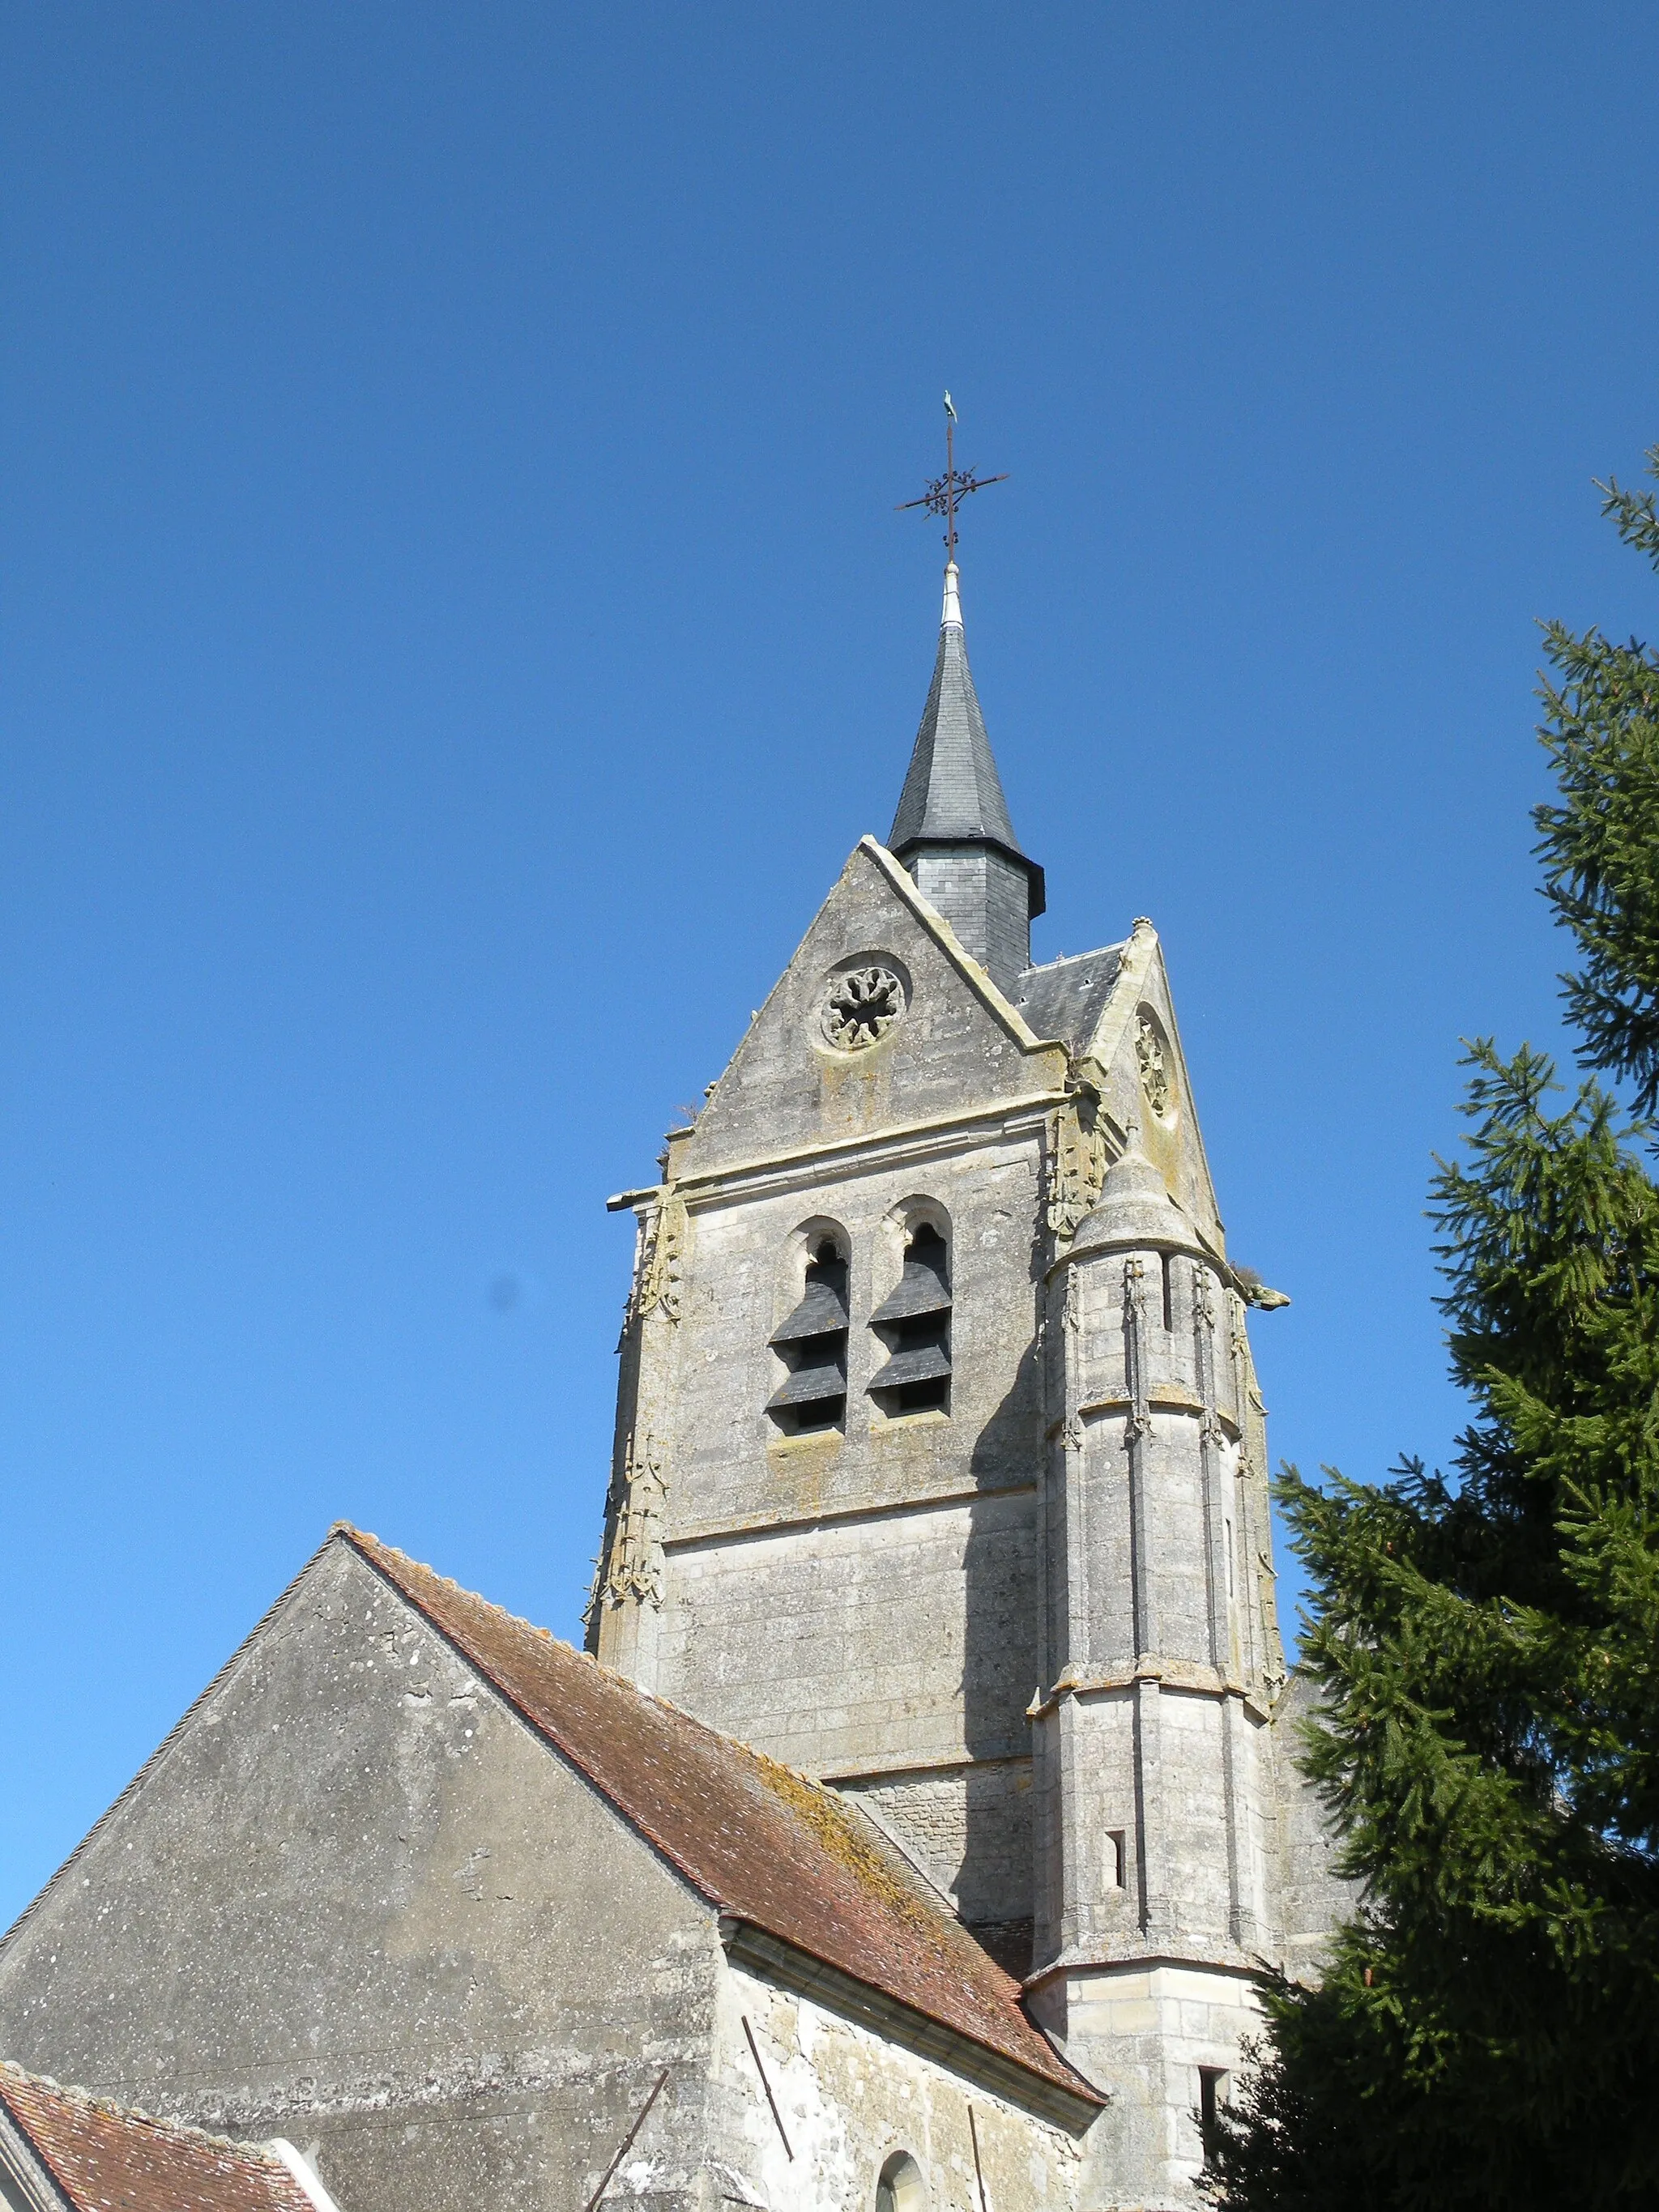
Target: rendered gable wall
357,1903
784,1090
848,2100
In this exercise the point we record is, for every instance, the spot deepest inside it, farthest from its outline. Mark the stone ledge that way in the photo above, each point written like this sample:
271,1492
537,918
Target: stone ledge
1141,1955
898,1767
1162,1397
906,1141
745,1525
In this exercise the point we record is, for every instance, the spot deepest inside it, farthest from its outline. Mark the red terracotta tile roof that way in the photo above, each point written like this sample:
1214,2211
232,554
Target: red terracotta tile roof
104,2158
760,1841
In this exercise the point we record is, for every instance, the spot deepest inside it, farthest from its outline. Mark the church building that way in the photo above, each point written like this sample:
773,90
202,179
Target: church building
908,1834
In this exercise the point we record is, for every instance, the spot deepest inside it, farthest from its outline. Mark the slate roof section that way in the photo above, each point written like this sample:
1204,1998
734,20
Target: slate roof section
1064,999
759,1842
952,793
102,2157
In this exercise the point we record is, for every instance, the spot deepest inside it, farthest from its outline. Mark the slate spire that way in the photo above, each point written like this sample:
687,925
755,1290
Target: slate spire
952,830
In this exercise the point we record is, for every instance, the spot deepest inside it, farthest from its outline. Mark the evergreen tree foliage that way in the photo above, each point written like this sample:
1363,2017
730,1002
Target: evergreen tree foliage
1601,857
1486,1646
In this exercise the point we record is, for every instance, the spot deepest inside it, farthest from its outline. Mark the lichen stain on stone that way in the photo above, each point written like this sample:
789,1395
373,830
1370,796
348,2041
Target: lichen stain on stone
853,1091
841,1833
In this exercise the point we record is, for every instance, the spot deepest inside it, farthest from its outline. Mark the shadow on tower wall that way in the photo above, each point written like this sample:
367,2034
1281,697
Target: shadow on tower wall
999,1670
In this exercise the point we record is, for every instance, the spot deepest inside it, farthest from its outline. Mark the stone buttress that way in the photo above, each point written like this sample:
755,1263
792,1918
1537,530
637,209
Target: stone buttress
1156,1877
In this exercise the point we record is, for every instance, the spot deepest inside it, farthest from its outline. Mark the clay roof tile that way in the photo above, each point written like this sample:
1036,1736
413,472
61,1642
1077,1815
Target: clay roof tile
761,1843
105,2157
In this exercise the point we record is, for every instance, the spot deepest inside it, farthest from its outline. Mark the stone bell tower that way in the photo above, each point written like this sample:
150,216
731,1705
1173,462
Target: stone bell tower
940,1468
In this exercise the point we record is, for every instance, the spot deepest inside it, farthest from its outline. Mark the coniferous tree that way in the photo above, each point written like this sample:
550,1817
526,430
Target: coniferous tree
1487,1645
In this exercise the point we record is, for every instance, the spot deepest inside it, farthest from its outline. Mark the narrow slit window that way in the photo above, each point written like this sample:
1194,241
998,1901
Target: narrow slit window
1212,2099
1169,1291
914,1326
1117,1857
813,1345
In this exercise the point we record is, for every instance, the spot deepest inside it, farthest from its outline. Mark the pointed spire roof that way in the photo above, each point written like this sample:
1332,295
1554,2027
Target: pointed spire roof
952,793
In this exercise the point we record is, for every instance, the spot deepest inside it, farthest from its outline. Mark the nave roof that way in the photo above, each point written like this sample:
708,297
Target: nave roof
759,1842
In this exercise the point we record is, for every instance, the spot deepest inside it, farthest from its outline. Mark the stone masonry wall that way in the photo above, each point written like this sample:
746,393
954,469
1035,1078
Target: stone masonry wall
849,2101
863,1601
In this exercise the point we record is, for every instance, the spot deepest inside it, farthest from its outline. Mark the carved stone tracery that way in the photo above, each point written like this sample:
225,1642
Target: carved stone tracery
658,1257
1153,1064
1077,1164
635,1564
860,1005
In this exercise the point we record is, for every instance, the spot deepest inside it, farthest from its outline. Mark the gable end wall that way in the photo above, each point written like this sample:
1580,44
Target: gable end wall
361,1904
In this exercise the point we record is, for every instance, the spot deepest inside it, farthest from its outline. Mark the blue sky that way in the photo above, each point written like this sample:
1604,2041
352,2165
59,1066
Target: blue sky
454,626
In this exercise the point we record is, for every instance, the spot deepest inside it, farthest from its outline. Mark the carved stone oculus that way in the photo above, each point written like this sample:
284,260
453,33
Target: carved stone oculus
860,1006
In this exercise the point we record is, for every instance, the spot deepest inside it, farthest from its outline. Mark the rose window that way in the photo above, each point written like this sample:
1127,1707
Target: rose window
862,1005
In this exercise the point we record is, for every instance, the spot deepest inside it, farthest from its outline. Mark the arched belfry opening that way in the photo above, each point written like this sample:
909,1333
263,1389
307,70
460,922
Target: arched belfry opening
914,1326
811,1340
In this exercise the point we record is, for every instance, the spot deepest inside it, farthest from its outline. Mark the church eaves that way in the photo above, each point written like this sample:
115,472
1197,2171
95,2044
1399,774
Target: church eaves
952,829
91,2155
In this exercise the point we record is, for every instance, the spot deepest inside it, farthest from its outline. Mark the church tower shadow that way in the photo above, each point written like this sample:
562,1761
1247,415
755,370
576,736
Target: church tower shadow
999,1670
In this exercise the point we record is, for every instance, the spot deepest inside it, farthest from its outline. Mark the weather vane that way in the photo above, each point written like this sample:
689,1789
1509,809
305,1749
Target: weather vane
942,495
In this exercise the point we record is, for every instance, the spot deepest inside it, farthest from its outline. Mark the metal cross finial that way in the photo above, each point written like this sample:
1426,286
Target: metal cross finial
942,495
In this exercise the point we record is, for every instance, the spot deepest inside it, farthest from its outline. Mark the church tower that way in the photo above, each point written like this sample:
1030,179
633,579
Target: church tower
940,1464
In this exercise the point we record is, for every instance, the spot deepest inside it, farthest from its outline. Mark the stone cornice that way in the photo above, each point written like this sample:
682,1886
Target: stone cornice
1145,1953
898,1764
860,1153
1162,1398
904,1142
1185,1677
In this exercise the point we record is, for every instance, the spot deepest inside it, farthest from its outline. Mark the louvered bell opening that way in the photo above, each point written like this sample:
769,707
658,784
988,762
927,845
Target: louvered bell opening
813,1395
915,1323
823,1378
921,1290
916,1363
820,1313
813,1343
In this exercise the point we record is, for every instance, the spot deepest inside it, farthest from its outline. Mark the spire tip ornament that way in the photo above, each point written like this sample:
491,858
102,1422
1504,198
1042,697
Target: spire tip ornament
943,493
952,611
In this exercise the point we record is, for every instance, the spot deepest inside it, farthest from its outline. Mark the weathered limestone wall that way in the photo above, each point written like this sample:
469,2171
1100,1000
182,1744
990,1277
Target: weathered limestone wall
849,2101
852,1646
1312,1898
742,1275
785,1088
971,1830
1160,2024
414,1942
863,1601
